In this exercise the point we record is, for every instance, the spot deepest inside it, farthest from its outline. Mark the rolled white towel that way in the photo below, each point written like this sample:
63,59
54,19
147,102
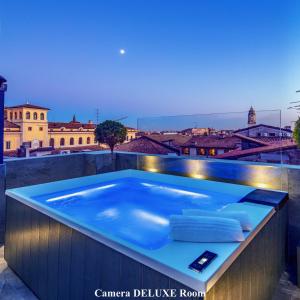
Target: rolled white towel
205,229
226,212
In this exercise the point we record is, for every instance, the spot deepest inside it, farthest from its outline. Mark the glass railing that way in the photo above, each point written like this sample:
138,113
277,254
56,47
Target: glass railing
258,136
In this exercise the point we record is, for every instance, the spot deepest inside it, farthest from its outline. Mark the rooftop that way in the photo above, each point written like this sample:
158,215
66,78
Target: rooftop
264,149
27,105
8,124
263,125
146,144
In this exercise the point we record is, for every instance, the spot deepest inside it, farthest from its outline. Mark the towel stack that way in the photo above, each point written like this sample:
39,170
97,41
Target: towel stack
225,225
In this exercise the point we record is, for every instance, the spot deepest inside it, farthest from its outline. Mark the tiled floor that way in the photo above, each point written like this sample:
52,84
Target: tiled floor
286,290
12,288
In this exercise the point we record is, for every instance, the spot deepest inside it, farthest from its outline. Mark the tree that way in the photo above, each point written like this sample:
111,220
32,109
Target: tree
110,133
297,132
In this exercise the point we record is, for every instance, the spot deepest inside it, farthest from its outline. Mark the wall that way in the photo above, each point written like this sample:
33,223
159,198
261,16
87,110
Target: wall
14,137
84,134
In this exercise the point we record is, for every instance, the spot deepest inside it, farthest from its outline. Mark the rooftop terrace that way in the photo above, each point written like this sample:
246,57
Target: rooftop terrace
23,172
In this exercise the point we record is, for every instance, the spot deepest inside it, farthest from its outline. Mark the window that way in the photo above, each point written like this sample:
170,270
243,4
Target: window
7,145
20,115
42,116
186,151
35,116
88,140
11,115
41,144
62,142
41,128
212,152
27,115
201,151
29,128
80,141
16,115
52,143
71,141
272,134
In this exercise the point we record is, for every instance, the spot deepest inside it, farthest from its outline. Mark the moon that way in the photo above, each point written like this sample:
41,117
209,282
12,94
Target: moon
122,51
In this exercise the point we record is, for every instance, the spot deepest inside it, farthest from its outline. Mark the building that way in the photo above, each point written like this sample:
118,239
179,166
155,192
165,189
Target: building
287,153
131,134
28,125
196,131
71,134
25,124
251,116
208,146
263,130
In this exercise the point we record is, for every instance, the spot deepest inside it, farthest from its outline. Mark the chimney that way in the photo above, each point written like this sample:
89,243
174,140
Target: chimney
90,122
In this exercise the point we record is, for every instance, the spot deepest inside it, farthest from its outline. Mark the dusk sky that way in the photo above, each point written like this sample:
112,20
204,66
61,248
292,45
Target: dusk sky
181,57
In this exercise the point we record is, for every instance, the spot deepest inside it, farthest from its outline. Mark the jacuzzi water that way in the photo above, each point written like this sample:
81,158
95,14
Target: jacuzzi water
133,209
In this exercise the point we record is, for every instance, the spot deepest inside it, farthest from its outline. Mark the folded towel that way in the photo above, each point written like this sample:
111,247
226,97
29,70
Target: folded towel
205,229
227,212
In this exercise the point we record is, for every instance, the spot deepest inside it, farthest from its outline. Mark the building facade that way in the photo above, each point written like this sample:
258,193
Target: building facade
263,130
28,125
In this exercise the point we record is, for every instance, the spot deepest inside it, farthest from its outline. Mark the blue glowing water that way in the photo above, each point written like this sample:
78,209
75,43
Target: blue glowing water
132,209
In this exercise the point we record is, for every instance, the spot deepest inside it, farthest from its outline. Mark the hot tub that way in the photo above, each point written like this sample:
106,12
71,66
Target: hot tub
110,232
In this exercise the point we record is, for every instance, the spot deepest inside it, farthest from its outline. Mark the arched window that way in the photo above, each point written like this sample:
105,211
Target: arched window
71,141
88,140
52,143
27,115
20,115
11,115
42,116
62,142
80,141
34,116
16,115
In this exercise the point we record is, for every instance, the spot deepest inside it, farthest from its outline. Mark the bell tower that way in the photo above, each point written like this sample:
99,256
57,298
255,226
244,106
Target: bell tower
251,117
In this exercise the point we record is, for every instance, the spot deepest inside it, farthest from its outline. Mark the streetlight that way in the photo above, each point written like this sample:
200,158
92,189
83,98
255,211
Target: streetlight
3,88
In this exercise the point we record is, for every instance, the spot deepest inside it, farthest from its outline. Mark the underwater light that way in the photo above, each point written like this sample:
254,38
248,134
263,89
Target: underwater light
81,193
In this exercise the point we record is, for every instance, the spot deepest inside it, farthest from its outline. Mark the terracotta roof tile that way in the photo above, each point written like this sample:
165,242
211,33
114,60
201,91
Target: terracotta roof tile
148,145
229,142
8,124
70,125
175,140
241,153
263,125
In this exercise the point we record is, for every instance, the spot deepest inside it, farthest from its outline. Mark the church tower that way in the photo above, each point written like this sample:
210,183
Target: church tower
251,117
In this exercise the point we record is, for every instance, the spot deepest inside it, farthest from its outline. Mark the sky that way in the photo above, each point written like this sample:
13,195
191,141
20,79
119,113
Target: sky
181,57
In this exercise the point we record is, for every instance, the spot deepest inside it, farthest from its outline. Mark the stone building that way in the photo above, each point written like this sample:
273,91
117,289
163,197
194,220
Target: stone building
28,125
